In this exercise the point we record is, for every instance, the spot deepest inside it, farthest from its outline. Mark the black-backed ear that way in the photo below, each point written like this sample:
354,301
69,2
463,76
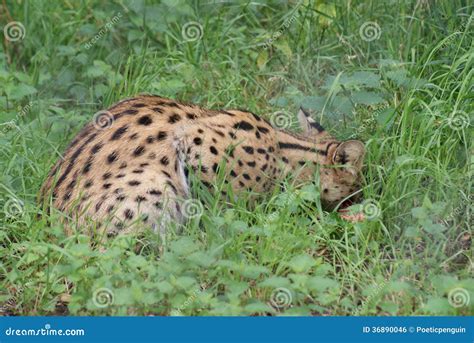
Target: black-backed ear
350,153
308,124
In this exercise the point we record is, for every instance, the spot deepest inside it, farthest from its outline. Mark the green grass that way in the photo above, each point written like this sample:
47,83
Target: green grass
407,94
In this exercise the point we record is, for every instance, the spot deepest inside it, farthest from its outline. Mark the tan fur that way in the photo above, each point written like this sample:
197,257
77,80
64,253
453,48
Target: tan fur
134,169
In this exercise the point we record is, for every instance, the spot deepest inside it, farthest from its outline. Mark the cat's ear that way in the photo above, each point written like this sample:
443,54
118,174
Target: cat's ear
308,124
351,154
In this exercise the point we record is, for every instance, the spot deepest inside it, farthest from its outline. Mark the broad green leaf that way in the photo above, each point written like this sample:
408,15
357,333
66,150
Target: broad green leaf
275,282
301,263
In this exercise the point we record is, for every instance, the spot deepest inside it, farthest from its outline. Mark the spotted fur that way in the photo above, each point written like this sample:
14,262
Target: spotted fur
137,168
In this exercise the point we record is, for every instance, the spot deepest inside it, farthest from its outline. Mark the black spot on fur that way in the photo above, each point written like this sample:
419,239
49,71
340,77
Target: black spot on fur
246,176
232,135
121,197
128,213
262,129
106,185
215,167
257,118
134,183
248,149
154,192
67,196
191,116
144,120
139,150
257,135
112,157
165,160
72,160
106,176
243,125
233,173
119,133
144,164
258,178
220,133
140,199
123,165
174,118
284,159
251,164
150,139
261,151
166,173
133,136
214,150
137,171
197,141
130,112
157,110
87,165
168,182
96,148
88,183
139,105
241,184
264,167
240,163
161,135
